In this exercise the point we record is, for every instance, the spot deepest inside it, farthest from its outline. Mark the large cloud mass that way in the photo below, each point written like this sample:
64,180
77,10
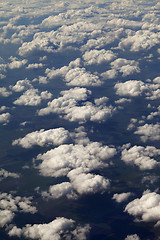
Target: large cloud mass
60,228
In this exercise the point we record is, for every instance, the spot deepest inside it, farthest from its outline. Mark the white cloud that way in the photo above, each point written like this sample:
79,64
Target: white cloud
140,41
125,66
121,197
149,132
87,183
34,66
9,205
132,237
141,156
55,137
32,97
5,117
21,85
4,92
122,101
5,174
59,190
55,230
68,105
17,63
14,204
6,216
98,56
61,160
80,77
146,208
110,74
132,88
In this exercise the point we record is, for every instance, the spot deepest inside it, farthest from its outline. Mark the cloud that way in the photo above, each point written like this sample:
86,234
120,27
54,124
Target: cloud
121,197
57,229
9,205
5,117
140,41
67,105
42,138
21,85
59,190
5,174
61,160
4,92
34,66
141,156
80,77
146,208
32,97
6,216
15,64
132,237
126,67
87,183
98,56
131,88
149,132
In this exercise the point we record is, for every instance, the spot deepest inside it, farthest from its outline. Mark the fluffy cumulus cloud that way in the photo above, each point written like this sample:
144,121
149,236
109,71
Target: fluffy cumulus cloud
131,88
21,85
60,228
132,237
98,56
146,208
87,183
80,77
68,106
5,118
140,41
17,63
4,92
149,132
121,197
61,160
32,97
41,138
9,205
141,156
74,75
6,216
124,66
5,174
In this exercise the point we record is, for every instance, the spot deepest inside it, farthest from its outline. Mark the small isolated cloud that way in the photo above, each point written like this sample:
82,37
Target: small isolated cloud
131,88
9,205
4,92
32,97
132,237
149,132
124,66
98,56
121,197
60,228
21,85
5,174
15,64
34,66
141,156
41,138
5,118
146,208
61,160
69,107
